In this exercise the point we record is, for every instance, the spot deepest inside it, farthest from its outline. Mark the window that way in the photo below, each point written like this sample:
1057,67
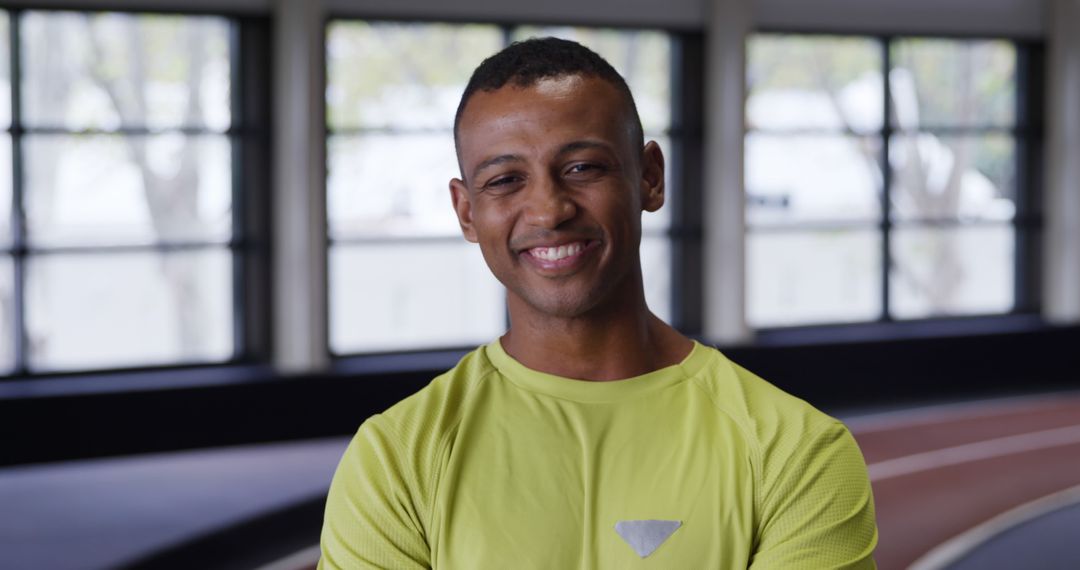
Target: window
120,143
862,207
392,91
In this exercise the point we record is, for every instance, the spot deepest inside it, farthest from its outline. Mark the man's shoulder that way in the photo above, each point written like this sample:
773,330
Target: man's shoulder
764,410
437,407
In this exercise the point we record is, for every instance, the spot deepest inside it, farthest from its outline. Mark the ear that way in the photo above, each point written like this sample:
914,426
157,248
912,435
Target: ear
459,196
652,177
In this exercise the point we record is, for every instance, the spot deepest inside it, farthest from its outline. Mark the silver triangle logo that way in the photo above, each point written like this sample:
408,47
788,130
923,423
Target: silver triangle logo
646,536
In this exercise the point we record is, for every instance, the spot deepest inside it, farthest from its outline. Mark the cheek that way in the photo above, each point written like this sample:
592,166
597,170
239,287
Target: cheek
493,223
617,207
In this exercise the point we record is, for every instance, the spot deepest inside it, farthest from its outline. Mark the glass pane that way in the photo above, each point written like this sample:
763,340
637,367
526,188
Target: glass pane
5,189
798,278
642,57
939,82
113,70
656,273
7,316
953,177
401,75
814,82
5,71
105,310
952,271
391,184
802,178
400,296
113,189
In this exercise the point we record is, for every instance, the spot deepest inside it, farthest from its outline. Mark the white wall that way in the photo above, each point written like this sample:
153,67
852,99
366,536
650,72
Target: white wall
724,316
299,189
1061,237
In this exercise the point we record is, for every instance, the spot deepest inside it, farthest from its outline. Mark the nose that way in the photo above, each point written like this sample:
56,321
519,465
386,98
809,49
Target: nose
548,204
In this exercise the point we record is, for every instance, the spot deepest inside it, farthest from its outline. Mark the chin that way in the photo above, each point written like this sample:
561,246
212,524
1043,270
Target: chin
563,310
565,305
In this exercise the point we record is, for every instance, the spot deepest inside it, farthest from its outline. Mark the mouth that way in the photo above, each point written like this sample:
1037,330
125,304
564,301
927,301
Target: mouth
561,257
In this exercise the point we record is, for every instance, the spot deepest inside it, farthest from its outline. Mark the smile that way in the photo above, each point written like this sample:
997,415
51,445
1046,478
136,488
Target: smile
558,252
559,257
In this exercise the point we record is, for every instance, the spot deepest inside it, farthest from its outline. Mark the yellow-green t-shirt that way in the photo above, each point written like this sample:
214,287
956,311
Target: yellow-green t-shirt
697,465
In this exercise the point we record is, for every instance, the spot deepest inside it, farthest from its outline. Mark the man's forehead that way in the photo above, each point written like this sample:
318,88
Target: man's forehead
559,85
545,92
552,111
575,102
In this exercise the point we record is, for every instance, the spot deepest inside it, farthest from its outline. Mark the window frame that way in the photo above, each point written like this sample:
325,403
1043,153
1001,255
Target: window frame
247,247
1027,132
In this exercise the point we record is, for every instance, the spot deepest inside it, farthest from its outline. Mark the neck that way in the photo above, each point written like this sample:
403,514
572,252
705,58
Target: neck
620,340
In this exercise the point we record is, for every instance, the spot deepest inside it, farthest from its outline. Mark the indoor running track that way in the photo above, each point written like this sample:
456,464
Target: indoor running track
951,479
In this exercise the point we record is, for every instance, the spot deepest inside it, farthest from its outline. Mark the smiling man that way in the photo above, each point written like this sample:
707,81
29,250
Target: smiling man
591,434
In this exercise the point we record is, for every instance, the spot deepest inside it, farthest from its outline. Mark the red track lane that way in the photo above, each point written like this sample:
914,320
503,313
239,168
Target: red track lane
1024,417
918,511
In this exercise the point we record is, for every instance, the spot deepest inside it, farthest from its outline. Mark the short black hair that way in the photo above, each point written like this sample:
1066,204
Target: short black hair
527,62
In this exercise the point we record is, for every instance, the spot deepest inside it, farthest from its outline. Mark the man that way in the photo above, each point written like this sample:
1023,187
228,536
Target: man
592,434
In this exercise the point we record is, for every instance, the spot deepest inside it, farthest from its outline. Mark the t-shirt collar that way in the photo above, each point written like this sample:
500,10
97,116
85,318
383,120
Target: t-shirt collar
590,391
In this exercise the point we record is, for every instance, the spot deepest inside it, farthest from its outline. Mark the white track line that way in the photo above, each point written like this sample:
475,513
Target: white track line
952,550
987,449
302,559
942,413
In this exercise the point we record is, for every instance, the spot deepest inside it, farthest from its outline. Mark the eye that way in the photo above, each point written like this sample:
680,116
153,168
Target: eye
502,182
585,171
581,167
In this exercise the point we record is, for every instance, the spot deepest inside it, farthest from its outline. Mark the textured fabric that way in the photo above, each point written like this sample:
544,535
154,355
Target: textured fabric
494,465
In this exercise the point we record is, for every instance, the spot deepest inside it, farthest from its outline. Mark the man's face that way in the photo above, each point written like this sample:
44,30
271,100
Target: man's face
553,190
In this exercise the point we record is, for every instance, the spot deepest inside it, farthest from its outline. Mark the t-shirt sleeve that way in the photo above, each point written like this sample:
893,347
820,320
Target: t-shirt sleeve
817,509
374,515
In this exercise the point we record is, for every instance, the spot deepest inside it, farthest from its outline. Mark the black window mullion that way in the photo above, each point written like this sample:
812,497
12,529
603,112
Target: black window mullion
376,239
129,131
1029,119
251,211
886,181
686,164
815,226
18,220
238,211
158,247
387,130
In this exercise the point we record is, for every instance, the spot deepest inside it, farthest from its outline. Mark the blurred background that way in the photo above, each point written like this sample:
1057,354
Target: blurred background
226,239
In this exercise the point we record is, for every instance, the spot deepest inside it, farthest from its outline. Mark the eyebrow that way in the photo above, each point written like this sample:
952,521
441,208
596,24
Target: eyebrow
582,145
495,160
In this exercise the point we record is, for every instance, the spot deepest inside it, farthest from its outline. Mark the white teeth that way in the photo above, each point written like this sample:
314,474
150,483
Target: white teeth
557,253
